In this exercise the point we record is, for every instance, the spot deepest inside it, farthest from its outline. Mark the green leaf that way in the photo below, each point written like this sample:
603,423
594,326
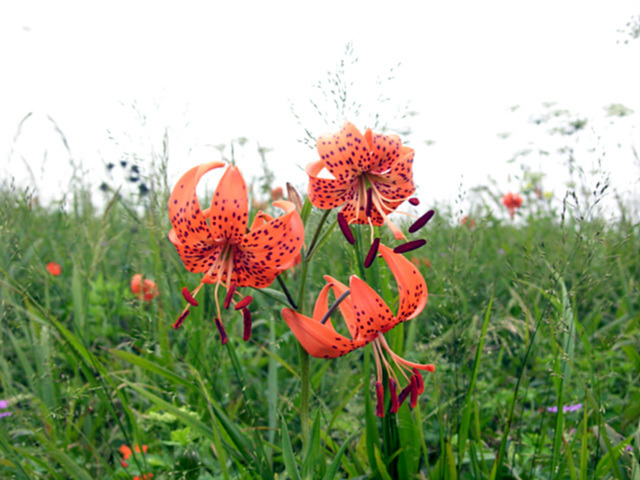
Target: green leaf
287,452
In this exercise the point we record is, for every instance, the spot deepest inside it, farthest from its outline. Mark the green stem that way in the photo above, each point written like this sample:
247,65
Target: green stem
305,378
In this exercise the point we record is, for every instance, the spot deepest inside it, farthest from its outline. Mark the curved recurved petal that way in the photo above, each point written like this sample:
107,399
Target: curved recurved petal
196,259
269,249
327,193
372,314
319,340
229,207
412,288
190,234
186,217
345,153
384,150
396,183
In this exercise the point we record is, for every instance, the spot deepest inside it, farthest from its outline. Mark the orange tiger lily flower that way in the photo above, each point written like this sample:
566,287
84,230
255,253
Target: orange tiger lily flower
216,242
372,176
512,201
367,318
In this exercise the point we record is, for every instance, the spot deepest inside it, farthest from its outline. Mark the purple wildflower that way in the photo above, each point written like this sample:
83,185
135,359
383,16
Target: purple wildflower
4,404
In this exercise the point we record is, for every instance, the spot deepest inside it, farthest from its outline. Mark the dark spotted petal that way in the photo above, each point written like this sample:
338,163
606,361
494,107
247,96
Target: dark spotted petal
229,208
269,249
190,233
345,154
326,193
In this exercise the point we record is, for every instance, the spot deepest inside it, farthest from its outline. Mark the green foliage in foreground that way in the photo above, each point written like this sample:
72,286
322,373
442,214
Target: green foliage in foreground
523,321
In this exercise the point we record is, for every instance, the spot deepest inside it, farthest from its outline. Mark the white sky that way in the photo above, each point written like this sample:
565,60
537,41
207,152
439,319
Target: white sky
213,71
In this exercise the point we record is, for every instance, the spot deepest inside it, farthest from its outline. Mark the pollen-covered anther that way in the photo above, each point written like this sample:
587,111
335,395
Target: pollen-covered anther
246,320
420,381
188,297
229,297
369,202
380,400
223,333
414,201
421,222
346,229
245,302
373,251
409,246
414,391
395,405
180,319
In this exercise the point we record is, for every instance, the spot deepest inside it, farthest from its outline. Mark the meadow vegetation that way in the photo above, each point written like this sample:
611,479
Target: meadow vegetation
533,325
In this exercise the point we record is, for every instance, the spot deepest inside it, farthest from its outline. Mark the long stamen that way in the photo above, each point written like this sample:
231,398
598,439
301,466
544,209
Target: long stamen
221,330
373,251
380,400
395,405
183,315
346,229
421,222
188,297
409,246
333,306
229,297
246,320
428,367
245,302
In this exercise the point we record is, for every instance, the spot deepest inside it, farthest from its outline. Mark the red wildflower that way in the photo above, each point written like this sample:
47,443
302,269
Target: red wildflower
54,269
144,289
512,201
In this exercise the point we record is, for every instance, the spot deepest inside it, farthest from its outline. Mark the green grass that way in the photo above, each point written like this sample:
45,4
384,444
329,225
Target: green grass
521,317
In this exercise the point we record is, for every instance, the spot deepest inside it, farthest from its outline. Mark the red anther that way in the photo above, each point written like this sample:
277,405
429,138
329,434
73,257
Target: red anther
395,405
346,229
181,318
414,201
187,296
246,317
421,222
371,256
404,394
416,373
245,302
369,202
229,297
223,334
412,245
414,392
380,398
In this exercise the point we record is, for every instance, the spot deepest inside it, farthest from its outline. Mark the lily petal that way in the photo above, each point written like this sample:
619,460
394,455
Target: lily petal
412,288
345,153
269,249
326,193
319,340
191,234
372,314
384,150
229,207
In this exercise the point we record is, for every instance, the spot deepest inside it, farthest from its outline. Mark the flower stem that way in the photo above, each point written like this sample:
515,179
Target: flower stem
305,378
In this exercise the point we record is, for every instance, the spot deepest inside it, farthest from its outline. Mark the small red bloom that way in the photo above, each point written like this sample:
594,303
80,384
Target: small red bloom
127,453
276,194
54,269
512,201
144,289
